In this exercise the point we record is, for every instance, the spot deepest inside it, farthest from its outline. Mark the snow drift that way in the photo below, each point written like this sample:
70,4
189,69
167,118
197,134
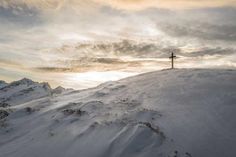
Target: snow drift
169,113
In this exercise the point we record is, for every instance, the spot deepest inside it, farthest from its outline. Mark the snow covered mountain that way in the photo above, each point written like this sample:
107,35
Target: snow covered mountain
22,91
169,113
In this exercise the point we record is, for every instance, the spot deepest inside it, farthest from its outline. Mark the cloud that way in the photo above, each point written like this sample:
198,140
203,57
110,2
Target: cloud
169,4
19,17
50,4
91,64
119,4
52,69
76,35
206,51
136,49
47,5
123,55
200,30
9,63
112,49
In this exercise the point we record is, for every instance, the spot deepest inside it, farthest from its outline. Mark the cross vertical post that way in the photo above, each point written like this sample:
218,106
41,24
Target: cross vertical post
172,57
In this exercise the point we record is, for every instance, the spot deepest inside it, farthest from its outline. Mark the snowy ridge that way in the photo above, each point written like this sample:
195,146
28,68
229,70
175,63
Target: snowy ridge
169,113
25,90
22,91
2,84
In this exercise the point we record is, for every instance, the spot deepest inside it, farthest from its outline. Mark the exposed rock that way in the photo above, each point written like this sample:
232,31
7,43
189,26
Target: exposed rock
58,90
154,129
29,110
78,112
3,114
4,104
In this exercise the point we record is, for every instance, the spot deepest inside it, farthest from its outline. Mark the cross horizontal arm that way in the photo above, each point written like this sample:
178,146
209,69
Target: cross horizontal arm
172,57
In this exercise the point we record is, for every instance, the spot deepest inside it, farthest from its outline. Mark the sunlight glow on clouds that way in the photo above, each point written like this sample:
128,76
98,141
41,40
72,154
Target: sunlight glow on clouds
91,79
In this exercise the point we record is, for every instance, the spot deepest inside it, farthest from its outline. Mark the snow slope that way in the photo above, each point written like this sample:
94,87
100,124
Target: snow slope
169,113
3,84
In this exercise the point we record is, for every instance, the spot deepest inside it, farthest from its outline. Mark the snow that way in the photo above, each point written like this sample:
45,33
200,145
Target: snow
175,113
2,84
22,91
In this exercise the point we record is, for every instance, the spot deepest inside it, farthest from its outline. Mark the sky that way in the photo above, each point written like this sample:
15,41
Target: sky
82,43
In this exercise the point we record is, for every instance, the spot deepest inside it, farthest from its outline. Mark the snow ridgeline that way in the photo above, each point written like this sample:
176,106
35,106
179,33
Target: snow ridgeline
25,90
169,113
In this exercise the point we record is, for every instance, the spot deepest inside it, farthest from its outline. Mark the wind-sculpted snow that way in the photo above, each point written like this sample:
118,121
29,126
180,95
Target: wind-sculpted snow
169,113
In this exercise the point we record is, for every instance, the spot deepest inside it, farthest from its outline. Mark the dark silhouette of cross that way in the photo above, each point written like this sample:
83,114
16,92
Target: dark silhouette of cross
172,57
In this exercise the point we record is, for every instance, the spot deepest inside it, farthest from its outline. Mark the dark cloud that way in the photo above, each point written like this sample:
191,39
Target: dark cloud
109,56
87,53
102,60
20,16
200,30
218,15
119,48
217,23
209,52
97,64
52,69
88,61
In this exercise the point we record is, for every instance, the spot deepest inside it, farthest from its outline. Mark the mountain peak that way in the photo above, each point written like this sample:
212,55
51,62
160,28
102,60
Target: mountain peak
24,81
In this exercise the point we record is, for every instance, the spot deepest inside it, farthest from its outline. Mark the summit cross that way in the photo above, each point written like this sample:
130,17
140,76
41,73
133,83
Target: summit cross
172,57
